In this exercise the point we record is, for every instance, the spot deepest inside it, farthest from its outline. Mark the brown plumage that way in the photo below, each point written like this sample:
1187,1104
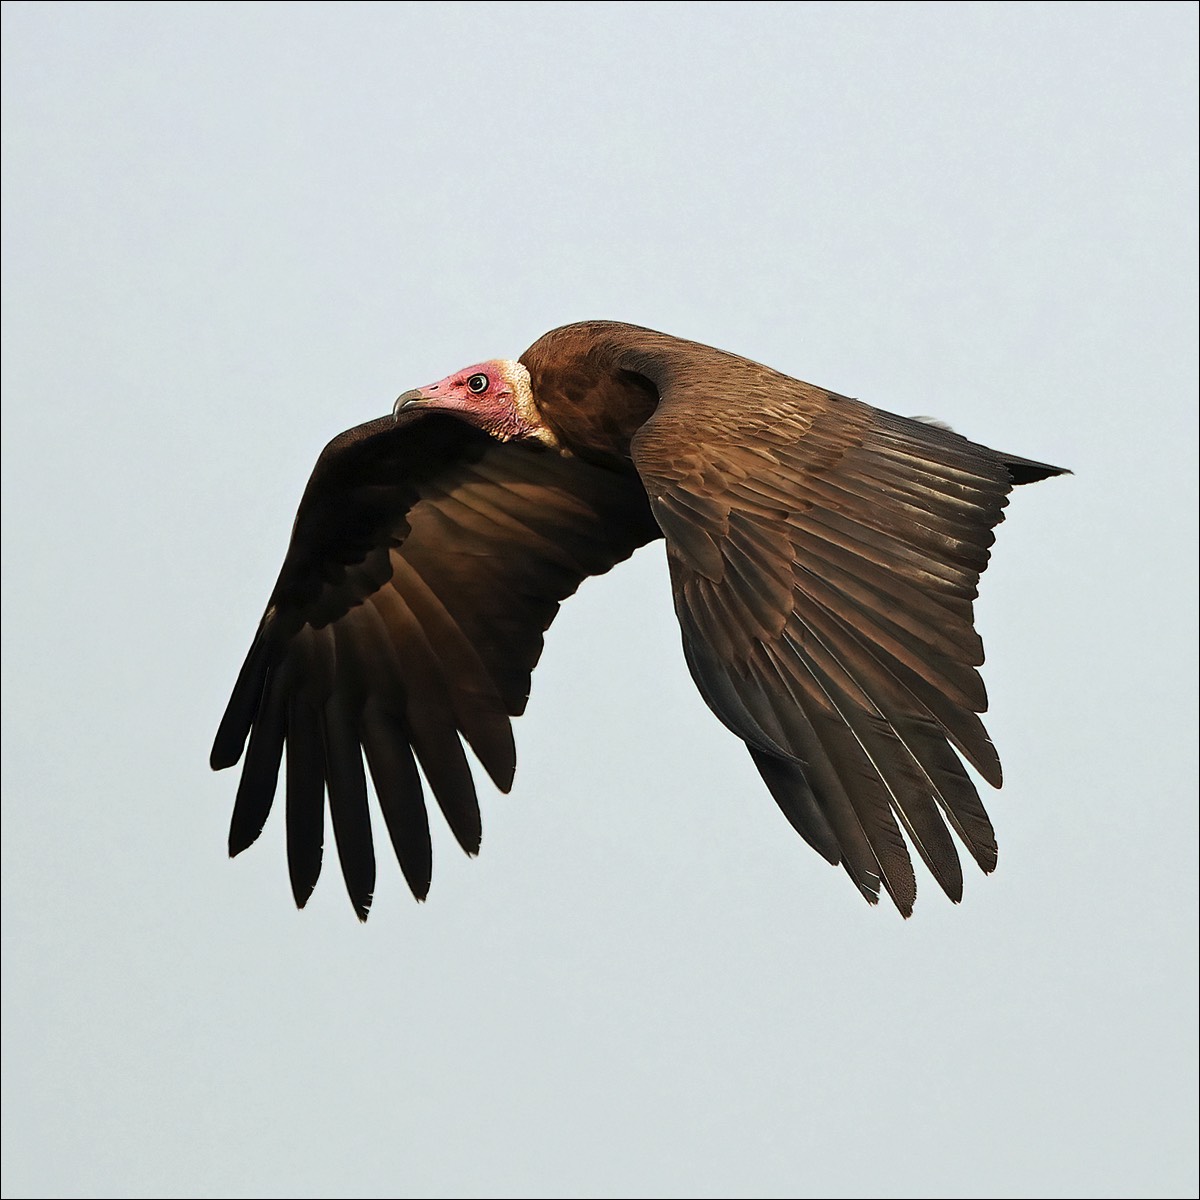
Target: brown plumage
824,557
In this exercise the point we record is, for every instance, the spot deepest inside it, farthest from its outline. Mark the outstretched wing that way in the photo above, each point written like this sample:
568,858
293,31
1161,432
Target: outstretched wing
824,557
426,562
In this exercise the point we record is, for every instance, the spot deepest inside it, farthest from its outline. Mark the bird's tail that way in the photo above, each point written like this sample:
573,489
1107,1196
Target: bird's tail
1026,470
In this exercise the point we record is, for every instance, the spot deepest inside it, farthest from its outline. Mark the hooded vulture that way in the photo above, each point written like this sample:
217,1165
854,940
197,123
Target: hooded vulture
823,555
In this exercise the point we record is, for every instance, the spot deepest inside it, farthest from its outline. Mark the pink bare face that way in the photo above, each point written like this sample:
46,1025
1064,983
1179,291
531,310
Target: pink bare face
493,395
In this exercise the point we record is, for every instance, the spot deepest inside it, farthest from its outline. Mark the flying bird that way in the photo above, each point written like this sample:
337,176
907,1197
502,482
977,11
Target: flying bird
823,554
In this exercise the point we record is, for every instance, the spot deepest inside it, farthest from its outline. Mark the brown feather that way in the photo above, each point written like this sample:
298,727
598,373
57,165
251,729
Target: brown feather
824,555
426,563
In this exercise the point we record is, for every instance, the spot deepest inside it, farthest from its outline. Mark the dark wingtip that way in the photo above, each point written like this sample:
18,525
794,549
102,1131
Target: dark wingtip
245,827
953,889
988,864
903,900
302,893
904,904
238,844
419,887
242,708
219,757
231,736
867,885
1025,470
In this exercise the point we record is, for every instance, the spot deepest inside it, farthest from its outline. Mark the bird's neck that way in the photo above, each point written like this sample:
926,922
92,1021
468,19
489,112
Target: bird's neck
592,406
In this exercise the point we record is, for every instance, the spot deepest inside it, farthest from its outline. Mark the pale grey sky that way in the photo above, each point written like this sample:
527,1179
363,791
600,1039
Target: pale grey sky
233,230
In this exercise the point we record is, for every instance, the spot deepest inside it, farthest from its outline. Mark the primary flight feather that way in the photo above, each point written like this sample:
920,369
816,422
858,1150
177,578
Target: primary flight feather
824,557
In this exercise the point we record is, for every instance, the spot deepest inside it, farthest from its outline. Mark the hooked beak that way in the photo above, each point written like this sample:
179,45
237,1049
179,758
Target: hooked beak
408,400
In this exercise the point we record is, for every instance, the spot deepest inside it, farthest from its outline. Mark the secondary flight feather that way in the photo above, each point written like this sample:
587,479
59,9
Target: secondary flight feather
824,556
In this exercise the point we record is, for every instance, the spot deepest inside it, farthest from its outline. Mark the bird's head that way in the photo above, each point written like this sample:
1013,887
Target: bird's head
495,396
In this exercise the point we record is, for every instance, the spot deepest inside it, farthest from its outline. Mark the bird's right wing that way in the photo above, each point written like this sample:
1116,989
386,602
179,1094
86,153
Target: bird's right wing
824,557
426,562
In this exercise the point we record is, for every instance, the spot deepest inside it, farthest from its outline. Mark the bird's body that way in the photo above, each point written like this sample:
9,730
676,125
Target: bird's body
824,557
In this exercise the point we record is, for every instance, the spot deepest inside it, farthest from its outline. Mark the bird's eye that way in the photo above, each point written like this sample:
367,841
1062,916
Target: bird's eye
477,384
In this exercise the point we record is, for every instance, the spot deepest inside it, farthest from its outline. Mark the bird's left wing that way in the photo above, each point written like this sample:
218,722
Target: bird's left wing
426,562
824,557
